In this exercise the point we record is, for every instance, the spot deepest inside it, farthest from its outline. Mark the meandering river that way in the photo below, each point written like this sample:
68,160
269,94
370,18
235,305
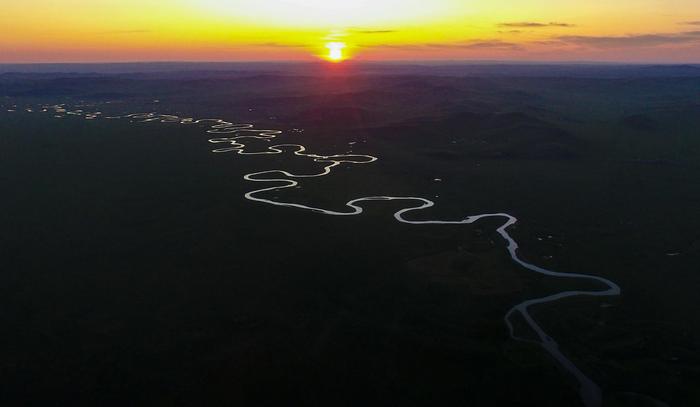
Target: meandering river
230,137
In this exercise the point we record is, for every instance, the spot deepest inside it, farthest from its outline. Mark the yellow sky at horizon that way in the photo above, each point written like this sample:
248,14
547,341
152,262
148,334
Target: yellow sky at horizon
130,30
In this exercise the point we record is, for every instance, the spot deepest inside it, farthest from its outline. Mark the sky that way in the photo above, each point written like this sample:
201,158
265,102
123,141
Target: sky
659,31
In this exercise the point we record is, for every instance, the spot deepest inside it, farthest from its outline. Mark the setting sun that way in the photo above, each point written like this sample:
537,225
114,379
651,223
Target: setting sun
335,51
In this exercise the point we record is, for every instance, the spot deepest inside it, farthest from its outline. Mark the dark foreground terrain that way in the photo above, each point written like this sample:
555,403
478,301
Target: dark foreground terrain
133,271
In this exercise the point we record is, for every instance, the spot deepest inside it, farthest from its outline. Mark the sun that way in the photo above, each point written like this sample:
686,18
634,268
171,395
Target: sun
335,53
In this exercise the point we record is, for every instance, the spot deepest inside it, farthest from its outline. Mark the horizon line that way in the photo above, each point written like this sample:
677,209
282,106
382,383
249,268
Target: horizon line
374,62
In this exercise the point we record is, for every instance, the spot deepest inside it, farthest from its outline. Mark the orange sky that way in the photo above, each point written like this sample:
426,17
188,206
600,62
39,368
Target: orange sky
230,30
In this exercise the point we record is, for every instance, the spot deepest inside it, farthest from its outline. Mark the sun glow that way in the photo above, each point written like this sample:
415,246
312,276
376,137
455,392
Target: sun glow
327,13
300,30
335,53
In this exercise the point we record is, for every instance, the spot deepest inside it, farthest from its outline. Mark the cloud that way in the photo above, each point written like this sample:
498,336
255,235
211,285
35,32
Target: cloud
493,44
690,38
360,31
122,32
469,45
278,45
640,40
530,24
691,22
548,43
476,44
